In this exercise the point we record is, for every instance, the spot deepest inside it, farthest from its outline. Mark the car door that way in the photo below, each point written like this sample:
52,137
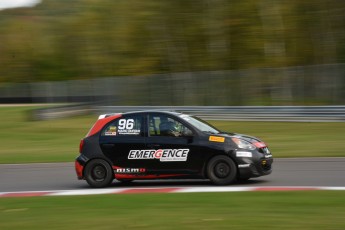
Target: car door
174,143
121,136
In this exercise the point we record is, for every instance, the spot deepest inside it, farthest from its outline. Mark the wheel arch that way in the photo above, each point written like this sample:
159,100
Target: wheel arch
96,158
227,154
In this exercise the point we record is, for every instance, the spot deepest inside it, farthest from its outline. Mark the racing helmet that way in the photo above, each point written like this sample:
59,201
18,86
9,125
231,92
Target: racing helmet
168,128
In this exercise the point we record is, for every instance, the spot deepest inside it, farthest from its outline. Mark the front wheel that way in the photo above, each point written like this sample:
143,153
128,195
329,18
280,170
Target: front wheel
98,173
221,170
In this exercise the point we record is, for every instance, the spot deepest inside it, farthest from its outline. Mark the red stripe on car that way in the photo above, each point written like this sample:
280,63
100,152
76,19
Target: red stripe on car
131,176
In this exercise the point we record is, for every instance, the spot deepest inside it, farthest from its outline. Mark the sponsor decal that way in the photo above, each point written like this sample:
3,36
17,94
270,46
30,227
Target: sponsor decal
111,131
216,139
243,154
126,127
160,154
244,166
129,170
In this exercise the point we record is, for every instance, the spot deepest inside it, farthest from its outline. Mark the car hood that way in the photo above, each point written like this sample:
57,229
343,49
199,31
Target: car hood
248,138
245,137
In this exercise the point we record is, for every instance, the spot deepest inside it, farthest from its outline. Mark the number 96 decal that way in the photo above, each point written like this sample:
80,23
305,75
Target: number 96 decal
126,124
127,127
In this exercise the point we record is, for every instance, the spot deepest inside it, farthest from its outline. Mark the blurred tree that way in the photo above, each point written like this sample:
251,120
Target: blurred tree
77,39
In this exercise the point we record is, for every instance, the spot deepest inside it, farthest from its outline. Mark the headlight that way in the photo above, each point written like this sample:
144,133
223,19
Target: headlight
243,144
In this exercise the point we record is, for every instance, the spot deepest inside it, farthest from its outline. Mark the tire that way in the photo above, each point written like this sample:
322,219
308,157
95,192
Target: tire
98,173
222,170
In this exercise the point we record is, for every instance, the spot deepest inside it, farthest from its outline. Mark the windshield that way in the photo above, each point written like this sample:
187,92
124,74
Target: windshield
200,124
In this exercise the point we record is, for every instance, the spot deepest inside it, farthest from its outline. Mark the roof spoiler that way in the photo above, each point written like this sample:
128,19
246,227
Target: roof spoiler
102,116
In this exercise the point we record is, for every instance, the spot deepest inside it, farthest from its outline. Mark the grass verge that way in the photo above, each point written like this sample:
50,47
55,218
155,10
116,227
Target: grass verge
260,210
25,141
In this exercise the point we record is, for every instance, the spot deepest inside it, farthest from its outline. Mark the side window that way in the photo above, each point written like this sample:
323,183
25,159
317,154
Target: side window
125,126
162,125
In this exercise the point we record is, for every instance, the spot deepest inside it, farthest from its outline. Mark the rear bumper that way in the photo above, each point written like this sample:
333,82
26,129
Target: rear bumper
79,168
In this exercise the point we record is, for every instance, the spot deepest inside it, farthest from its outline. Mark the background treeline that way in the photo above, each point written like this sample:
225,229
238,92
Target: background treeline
79,39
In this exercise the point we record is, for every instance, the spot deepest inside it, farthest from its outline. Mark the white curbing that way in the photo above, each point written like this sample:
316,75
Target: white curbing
332,188
140,190
85,192
215,189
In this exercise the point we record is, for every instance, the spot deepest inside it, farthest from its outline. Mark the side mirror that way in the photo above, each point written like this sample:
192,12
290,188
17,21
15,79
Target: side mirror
189,139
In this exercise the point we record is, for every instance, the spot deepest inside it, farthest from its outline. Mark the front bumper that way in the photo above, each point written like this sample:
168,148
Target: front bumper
259,164
255,170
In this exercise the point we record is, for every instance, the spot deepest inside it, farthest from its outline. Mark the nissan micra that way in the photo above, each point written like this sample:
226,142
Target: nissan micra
167,145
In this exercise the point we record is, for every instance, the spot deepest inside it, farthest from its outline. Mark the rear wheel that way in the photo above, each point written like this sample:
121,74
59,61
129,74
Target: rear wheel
98,173
221,170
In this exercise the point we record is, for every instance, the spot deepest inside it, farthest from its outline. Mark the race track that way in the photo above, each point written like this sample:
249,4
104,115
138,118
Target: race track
286,172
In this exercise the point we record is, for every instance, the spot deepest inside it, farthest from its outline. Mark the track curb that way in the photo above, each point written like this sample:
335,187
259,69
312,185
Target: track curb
163,190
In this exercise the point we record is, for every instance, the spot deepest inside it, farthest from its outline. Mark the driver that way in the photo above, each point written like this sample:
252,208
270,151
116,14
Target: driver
169,128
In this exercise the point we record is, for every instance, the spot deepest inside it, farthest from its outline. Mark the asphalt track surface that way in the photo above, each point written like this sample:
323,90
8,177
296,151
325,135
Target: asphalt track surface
286,172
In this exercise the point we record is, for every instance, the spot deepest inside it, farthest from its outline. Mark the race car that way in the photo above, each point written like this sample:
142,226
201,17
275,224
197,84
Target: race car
167,145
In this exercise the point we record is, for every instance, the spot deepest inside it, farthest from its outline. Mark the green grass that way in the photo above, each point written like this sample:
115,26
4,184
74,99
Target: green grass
25,141
260,210
294,139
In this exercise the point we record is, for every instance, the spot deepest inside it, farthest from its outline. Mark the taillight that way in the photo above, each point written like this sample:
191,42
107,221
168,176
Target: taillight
81,145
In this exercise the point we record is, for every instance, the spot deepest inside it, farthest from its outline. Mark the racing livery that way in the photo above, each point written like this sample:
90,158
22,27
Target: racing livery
167,145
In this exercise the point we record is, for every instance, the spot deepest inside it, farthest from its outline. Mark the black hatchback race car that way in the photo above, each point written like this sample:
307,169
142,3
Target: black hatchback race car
167,145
